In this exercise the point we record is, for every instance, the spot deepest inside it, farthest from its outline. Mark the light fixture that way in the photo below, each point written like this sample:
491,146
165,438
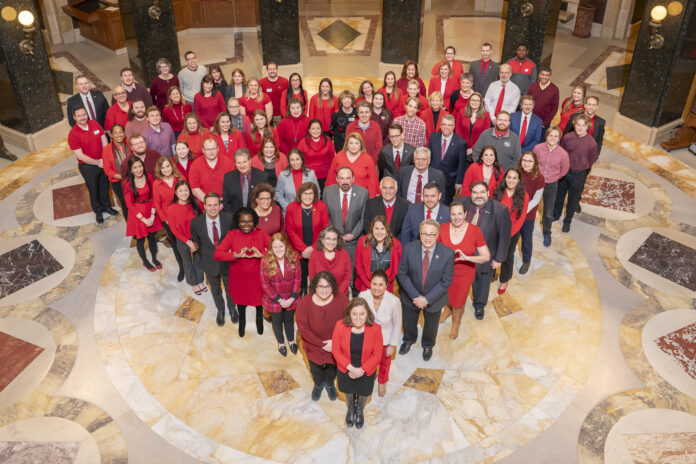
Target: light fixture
26,19
527,8
155,11
674,8
657,15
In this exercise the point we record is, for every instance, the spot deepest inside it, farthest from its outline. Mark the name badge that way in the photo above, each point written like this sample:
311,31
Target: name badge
526,70
506,144
96,132
269,90
351,119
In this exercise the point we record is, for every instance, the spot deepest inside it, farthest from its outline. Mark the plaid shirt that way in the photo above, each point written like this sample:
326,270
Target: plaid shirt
414,130
280,286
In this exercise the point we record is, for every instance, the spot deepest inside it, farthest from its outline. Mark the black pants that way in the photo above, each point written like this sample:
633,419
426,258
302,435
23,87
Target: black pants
572,185
322,373
304,266
175,249
322,182
283,319
410,323
215,283
117,187
151,243
509,264
480,288
549,199
97,185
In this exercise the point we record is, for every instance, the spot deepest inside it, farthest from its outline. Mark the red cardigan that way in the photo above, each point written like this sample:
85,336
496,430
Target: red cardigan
109,163
428,119
474,173
452,85
371,349
363,258
280,165
372,137
293,223
471,134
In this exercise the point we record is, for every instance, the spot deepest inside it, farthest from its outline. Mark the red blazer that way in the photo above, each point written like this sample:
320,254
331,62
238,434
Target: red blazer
391,103
371,350
457,69
280,165
293,223
363,258
236,141
471,134
108,162
452,85
430,127
474,173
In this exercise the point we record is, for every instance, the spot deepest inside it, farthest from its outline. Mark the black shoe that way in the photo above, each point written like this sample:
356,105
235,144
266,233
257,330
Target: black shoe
111,212
566,228
351,413
180,276
556,218
331,391
524,268
220,317
293,347
316,392
234,316
547,240
359,408
283,350
100,218
578,209
405,347
478,313
427,353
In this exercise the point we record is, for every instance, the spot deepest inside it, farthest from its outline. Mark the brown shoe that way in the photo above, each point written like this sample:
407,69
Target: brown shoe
457,315
382,389
446,312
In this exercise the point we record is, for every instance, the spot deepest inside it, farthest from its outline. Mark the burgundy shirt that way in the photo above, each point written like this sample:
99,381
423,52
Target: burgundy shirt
581,150
545,101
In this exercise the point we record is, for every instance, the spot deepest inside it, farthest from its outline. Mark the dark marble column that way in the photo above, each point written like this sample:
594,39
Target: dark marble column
401,30
280,31
659,80
537,31
28,96
148,37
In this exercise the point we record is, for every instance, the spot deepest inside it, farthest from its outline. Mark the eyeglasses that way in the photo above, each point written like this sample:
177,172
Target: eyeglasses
324,287
428,235
264,199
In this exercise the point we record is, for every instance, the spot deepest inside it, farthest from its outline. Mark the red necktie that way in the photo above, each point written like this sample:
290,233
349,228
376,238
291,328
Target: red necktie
216,235
389,210
397,160
344,208
429,215
499,105
426,266
419,188
444,147
90,108
523,131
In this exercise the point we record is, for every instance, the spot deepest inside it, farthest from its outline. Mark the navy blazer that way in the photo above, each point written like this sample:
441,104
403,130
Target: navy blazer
199,235
434,175
415,215
438,280
454,164
534,130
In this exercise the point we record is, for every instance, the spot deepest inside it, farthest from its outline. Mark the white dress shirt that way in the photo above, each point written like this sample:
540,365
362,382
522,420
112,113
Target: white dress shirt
209,226
413,183
510,100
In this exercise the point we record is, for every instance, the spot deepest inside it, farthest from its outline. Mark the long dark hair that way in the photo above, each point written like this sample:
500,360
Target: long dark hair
131,177
291,94
497,170
191,199
517,196
208,79
298,152
308,137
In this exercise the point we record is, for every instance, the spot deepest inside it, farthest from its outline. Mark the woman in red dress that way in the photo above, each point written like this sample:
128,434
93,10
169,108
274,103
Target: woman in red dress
293,127
142,218
176,110
260,129
280,279
179,214
455,65
243,248
366,92
209,102
360,162
323,105
270,160
472,121
182,159
444,82
408,72
255,100
332,257
432,116
572,105
460,98
269,212
390,91
318,151
163,189
193,134
470,249
378,250
486,169
294,91
228,137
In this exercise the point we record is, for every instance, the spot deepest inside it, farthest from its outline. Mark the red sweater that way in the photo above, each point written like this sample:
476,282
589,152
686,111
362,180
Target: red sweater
254,146
475,173
316,324
179,220
293,223
208,108
291,130
175,114
280,165
372,137
340,267
323,112
545,101
159,89
251,105
195,141
532,186
517,220
317,155
284,101
363,168
363,262
371,349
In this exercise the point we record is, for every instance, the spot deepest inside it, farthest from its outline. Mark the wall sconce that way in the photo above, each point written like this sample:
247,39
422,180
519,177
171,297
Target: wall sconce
155,11
527,8
26,19
657,15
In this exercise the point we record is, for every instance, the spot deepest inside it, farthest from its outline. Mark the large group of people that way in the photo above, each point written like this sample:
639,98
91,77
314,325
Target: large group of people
404,199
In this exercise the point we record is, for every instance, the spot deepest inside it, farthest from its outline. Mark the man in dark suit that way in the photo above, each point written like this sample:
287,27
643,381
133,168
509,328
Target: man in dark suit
494,221
430,208
453,162
207,230
596,127
425,273
527,125
396,154
234,196
345,202
91,100
386,204
484,70
411,179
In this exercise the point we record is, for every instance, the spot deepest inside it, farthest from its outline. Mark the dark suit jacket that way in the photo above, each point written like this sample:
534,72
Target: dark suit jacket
491,75
356,207
495,224
454,164
438,280
385,162
598,134
534,130
404,177
100,106
415,215
199,235
375,207
232,189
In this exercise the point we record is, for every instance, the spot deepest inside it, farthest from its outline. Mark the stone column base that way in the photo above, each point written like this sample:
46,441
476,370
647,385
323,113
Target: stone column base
38,140
384,67
642,133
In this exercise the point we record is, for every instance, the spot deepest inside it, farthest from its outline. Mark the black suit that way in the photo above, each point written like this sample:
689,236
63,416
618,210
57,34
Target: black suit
404,177
232,198
215,271
375,207
385,162
491,75
454,164
495,224
597,134
100,107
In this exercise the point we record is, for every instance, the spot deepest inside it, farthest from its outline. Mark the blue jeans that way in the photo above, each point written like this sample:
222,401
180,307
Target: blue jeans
526,233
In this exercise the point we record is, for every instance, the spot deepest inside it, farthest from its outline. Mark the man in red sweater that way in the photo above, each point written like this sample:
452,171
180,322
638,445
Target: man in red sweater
273,85
369,130
546,97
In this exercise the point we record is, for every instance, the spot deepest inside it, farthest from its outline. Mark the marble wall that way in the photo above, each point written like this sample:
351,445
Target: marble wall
401,30
537,31
280,31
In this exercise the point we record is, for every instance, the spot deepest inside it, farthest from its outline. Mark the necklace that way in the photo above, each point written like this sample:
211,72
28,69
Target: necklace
294,129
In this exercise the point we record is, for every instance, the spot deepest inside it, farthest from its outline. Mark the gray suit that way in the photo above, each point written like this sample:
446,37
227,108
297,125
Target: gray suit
285,187
491,75
354,220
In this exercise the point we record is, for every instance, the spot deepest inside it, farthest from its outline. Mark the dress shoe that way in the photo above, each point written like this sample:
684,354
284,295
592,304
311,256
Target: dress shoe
100,218
149,266
525,267
283,350
578,209
382,389
331,391
220,317
180,276
502,289
293,347
316,391
359,411
566,228
547,240
556,218
478,313
405,347
234,316
427,354
111,212
157,264
350,414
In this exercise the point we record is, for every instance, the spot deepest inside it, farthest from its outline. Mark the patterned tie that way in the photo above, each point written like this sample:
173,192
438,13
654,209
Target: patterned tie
216,235
475,219
419,188
444,147
344,208
397,160
499,105
426,266
482,75
523,131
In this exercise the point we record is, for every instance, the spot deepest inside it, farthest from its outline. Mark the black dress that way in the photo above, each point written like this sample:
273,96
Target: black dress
363,385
